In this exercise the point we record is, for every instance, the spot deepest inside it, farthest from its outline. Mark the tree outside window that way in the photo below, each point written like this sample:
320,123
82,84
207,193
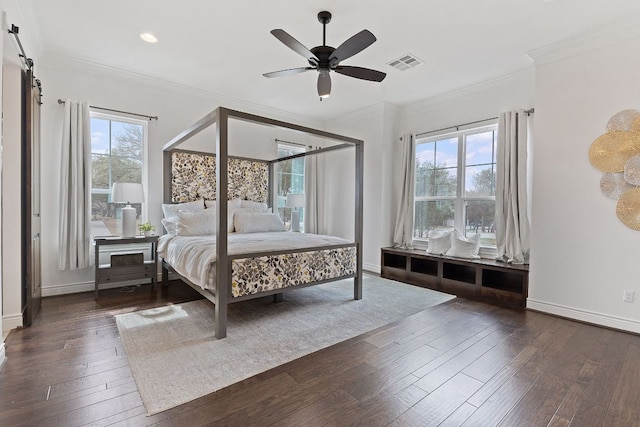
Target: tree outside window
117,155
455,184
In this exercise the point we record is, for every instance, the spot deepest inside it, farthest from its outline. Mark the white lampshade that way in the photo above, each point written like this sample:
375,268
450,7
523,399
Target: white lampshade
127,192
295,200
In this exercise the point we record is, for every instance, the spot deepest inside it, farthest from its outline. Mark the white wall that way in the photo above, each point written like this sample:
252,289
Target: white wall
375,126
4,31
177,108
11,197
582,256
478,102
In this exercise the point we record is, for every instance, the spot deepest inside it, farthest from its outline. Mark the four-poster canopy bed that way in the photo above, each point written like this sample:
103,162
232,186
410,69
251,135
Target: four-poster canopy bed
231,267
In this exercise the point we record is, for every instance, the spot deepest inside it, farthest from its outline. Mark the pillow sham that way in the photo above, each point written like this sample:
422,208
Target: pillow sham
234,203
462,247
195,223
169,210
255,222
252,205
439,242
169,225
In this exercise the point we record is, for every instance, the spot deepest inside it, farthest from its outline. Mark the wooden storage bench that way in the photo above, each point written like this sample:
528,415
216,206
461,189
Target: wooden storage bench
479,279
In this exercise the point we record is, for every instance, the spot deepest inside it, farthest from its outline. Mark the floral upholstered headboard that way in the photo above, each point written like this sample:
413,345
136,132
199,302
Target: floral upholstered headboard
193,176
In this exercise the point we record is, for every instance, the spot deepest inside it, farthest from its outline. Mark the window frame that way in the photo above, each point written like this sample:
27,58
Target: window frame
294,149
144,209
460,199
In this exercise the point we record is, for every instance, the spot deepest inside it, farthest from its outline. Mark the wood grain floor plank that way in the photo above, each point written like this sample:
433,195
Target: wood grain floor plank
539,404
459,416
446,371
439,405
498,405
325,411
70,369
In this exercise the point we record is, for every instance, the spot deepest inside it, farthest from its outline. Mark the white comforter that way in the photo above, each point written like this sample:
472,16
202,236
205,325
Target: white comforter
194,256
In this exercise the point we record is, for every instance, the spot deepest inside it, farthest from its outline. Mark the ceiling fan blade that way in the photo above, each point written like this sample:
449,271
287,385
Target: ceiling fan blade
361,73
294,45
350,47
288,72
324,84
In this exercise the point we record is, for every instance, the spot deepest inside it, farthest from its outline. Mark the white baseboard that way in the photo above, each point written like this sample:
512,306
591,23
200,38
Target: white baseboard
371,267
3,357
74,288
11,321
67,288
585,315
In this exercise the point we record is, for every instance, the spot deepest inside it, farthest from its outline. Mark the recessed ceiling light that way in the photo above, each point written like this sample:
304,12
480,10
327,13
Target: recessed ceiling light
148,37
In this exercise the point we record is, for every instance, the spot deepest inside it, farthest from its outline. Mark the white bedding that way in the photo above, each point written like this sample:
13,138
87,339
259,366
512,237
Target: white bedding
194,256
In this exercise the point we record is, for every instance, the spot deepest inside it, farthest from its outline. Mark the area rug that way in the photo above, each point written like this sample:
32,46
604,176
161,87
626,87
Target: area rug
175,357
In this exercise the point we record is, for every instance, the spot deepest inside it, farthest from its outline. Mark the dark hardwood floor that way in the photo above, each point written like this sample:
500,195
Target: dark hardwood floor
460,363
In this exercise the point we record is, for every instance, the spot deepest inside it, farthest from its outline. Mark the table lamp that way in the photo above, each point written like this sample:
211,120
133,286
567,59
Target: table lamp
295,201
127,192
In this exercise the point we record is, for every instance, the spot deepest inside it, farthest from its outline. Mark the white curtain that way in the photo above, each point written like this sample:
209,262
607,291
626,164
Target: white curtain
75,182
311,210
512,219
403,233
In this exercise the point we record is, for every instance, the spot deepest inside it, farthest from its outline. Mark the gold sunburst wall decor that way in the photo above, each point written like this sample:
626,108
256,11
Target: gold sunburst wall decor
616,153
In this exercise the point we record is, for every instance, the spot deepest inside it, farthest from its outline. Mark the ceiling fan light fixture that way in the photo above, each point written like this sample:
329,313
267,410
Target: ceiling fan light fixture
148,37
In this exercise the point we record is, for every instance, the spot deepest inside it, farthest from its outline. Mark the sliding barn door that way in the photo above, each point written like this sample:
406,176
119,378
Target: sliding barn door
31,265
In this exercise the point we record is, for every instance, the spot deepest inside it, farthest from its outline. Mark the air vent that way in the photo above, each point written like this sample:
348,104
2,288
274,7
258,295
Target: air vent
405,62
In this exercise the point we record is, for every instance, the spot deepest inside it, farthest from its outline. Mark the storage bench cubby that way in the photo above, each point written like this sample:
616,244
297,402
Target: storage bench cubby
482,279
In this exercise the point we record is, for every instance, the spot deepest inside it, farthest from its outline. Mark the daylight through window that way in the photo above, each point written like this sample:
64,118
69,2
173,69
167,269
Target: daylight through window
118,148
455,183
290,180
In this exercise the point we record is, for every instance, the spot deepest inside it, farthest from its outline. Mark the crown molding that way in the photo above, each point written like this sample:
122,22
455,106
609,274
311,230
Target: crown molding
610,34
375,109
453,97
62,62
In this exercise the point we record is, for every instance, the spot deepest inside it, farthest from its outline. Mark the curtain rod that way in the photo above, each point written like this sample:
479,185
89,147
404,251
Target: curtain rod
292,143
61,101
28,61
457,127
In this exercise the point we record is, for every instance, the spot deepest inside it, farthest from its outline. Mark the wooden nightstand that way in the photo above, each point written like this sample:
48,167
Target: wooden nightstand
107,273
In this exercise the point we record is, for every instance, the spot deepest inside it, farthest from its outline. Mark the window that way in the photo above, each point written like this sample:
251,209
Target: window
290,180
118,151
455,183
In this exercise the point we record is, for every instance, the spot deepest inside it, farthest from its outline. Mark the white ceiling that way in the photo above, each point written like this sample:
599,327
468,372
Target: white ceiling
225,47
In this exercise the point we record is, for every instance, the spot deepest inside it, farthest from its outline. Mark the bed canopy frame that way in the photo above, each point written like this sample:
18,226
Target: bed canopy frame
220,118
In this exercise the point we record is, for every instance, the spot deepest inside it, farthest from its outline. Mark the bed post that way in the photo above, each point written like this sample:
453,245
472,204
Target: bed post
357,280
223,276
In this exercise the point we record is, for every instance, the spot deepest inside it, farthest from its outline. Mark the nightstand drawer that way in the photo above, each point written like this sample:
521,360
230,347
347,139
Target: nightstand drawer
126,266
121,274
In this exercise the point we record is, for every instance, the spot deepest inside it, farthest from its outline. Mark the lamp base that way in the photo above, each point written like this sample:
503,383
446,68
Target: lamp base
128,221
295,221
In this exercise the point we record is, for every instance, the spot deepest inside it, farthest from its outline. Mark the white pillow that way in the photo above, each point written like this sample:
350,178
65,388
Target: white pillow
231,208
252,205
252,210
253,222
439,242
462,247
169,225
170,210
235,203
195,223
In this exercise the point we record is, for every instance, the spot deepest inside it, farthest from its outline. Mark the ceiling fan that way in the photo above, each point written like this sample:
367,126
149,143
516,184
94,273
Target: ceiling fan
326,58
